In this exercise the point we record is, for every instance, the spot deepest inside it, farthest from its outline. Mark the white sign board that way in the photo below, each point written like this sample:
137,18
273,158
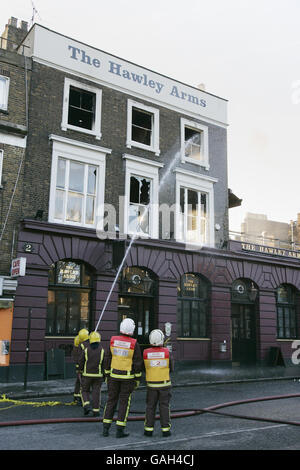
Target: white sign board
56,50
18,267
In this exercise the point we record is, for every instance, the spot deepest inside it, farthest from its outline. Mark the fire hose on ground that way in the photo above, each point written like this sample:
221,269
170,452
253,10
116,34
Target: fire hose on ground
174,415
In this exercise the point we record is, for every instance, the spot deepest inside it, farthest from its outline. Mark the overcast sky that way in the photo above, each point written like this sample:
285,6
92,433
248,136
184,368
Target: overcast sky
245,51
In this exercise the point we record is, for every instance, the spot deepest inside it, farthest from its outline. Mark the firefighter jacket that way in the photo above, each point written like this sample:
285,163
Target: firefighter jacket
124,358
76,355
91,361
158,364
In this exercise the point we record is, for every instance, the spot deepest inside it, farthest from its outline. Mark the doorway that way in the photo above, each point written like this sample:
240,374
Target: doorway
243,334
137,301
244,295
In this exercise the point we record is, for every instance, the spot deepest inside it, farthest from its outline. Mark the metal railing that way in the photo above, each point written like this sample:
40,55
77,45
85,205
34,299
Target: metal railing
264,241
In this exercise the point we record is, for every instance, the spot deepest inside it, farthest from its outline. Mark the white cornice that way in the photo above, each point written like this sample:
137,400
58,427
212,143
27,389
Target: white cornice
142,160
77,143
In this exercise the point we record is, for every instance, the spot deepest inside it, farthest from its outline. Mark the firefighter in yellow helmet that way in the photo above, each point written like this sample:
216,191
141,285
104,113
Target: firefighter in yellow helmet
158,363
92,367
75,357
123,365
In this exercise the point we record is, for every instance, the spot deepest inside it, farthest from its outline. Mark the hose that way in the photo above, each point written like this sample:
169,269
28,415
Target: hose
176,414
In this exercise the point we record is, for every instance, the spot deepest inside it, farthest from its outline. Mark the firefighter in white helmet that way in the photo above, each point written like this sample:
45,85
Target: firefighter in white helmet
123,367
158,363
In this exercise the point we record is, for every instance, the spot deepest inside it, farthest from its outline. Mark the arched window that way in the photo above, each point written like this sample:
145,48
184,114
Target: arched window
192,306
286,311
68,298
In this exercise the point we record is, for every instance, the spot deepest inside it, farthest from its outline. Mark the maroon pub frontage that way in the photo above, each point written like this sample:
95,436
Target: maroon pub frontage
225,306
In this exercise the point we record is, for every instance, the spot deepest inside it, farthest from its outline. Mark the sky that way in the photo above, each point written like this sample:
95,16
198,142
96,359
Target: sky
247,52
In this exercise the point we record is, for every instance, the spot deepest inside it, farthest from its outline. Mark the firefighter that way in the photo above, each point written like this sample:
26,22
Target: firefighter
83,338
158,364
123,366
92,367
75,357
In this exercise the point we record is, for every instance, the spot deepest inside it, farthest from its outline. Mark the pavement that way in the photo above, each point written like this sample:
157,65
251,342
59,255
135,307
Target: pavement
184,375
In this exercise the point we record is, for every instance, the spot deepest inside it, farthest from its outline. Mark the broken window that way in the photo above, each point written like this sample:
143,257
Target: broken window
142,126
139,200
192,143
81,108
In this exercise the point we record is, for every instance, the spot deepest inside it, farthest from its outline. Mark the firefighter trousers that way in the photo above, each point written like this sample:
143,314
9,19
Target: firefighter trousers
119,390
163,397
91,386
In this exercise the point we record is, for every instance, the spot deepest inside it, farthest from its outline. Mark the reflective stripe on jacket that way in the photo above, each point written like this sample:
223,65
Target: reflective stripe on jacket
122,350
157,365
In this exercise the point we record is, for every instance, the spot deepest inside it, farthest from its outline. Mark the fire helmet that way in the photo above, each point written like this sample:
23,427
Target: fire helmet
76,341
95,337
83,335
127,326
156,338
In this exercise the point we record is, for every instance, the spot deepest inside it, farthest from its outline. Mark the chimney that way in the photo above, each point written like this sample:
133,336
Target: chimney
13,35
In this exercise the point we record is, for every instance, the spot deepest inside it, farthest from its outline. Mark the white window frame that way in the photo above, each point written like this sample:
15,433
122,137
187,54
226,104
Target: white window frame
136,166
197,182
154,146
1,166
81,153
204,161
96,131
6,90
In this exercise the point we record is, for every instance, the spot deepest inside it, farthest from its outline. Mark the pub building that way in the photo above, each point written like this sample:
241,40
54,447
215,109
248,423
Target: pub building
121,160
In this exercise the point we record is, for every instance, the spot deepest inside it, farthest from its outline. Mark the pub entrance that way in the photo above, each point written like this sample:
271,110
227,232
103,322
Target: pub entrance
137,300
243,322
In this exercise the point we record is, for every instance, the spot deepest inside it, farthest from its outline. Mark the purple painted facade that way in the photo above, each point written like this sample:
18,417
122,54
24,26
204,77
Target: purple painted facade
168,261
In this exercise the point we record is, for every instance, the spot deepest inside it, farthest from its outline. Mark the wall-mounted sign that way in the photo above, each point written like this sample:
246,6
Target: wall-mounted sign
267,250
18,267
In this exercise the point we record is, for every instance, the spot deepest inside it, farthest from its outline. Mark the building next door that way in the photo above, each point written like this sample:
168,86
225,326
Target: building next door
243,323
137,301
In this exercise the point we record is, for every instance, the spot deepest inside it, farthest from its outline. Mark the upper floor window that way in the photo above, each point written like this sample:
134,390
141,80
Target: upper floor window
77,183
195,208
1,166
4,87
82,108
141,197
194,143
286,311
142,127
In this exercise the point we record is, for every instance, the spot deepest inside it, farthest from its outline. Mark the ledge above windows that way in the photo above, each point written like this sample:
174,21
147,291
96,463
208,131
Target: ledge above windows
82,108
142,127
194,143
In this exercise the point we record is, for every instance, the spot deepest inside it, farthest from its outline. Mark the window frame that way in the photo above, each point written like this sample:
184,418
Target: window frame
96,130
88,155
135,166
154,146
200,183
189,300
6,93
289,308
1,166
204,153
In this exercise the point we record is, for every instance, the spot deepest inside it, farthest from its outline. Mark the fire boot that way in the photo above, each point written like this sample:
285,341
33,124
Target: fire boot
121,432
106,429
166,433
148,433
87,410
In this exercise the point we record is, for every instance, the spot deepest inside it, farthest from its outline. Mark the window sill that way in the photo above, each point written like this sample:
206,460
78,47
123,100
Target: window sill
82,130
203,164
143,147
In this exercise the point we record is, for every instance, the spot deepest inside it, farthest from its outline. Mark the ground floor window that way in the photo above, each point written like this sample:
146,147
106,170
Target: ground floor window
69,297
192,307
286,312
